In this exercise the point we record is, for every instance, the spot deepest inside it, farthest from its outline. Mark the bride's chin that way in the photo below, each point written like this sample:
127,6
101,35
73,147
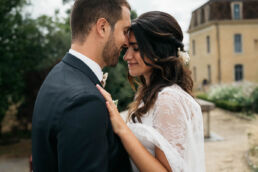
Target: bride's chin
133,74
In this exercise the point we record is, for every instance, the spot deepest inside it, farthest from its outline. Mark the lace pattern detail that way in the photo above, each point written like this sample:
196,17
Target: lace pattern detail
176,127
149,134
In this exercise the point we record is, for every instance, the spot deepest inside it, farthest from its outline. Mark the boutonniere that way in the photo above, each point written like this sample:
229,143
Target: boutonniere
115,102
104,79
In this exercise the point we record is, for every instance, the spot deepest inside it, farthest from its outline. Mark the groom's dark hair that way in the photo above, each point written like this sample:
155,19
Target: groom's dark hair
86,12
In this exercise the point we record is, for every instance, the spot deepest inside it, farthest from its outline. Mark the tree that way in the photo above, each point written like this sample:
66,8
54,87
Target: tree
26,45
10,20
56,43
29,48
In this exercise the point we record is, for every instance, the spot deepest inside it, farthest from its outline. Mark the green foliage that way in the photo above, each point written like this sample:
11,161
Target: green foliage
231,106
10,19
133,14
56,41
233,97
30,46
255,100
224,104
203,96
26,45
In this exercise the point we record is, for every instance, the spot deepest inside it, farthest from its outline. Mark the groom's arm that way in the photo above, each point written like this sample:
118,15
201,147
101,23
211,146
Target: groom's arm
82,141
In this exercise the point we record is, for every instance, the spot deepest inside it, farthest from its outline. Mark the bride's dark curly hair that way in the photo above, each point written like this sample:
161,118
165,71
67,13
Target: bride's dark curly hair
158,36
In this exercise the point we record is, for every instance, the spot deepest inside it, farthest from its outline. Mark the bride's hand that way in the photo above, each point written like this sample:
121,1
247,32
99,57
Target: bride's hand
119,126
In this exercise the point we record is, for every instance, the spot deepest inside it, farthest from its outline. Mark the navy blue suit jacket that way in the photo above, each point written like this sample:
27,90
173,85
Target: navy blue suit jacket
71,129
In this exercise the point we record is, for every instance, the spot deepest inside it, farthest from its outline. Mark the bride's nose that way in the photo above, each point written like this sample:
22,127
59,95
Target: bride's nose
128,55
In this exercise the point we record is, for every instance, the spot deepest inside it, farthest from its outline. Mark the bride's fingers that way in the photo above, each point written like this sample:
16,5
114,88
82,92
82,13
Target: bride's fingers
105,94
113,107
110,108
110,104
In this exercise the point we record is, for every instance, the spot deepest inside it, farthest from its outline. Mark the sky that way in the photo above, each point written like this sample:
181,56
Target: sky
180,9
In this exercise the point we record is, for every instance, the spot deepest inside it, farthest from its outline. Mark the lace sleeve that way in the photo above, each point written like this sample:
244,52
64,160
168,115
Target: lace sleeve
170,120
176,129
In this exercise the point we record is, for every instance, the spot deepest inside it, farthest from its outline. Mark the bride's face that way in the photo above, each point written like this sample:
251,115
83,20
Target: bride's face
136,65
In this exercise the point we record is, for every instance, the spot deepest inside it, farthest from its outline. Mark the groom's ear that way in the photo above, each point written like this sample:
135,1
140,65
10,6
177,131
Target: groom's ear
103,27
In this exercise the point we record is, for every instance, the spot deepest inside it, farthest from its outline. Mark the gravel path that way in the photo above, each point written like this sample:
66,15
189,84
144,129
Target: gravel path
228,155
14,165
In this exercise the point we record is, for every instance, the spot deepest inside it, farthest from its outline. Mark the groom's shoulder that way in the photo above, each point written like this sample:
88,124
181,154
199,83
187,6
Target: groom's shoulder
64,73
70,82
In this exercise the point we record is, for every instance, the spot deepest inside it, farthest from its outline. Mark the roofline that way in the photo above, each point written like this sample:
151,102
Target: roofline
208,2
223,22
201,6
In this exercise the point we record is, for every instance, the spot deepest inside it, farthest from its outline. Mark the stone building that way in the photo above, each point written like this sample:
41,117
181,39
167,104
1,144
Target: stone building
224,42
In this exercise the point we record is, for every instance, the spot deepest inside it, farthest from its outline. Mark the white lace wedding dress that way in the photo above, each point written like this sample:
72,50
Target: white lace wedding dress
174,125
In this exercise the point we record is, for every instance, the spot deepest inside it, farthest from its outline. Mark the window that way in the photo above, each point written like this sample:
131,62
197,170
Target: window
238,43
236,11
198,17
195,74
195,19
208,44
193,46
209,73
207,12
239,74
202,16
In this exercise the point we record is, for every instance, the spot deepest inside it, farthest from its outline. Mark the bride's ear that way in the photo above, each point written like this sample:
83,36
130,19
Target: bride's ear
103,27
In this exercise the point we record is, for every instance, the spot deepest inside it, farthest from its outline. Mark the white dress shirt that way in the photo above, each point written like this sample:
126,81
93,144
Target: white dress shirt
92,64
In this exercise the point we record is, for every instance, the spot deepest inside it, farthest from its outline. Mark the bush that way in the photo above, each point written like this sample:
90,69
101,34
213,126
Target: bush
26,45
255,100
231,106
203,96
234,97
224,104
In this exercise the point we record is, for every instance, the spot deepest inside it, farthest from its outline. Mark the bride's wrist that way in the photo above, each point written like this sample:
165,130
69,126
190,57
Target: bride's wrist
123,131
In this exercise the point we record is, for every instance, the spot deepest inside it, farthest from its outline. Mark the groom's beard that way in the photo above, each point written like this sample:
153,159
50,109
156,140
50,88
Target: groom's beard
110,52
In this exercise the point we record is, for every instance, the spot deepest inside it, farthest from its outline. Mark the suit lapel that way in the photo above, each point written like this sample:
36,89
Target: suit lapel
78,64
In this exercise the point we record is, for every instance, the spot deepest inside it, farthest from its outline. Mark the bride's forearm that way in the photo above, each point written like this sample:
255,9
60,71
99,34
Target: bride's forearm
142,158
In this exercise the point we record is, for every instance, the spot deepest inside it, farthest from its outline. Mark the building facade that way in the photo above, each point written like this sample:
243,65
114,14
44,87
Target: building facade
224,42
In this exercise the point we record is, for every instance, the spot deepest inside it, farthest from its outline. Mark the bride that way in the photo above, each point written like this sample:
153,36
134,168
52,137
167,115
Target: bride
164,131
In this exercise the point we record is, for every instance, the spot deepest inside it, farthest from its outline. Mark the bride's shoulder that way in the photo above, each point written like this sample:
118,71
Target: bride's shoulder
169,94
175,92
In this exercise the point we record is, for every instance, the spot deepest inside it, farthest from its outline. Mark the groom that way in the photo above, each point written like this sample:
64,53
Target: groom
71,129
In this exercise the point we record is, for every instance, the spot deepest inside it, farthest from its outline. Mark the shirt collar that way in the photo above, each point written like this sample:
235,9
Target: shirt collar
92,64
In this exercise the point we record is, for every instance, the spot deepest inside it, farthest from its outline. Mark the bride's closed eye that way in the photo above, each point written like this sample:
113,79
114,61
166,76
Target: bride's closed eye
136,49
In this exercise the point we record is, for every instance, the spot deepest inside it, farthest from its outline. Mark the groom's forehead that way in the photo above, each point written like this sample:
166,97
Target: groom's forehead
126,15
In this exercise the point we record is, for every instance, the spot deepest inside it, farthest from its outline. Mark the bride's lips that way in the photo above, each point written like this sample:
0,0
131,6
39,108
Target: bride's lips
132,64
